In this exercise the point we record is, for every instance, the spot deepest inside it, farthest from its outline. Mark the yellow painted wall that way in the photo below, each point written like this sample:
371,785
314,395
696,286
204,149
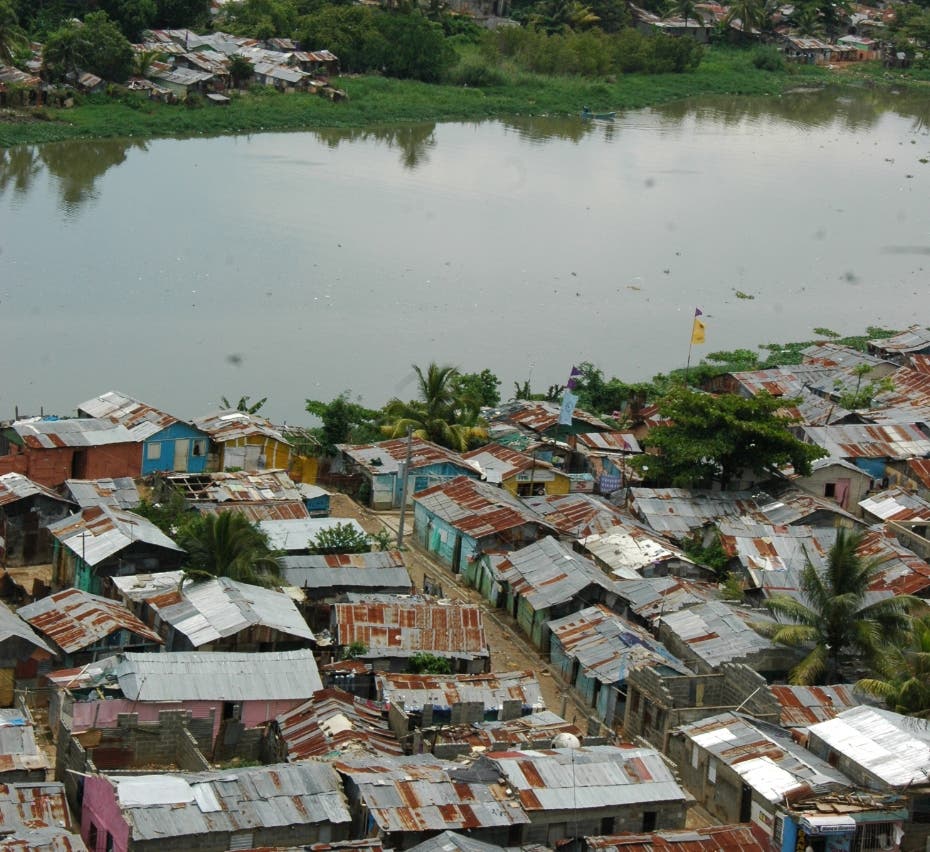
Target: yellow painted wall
560,485
304,469
277,454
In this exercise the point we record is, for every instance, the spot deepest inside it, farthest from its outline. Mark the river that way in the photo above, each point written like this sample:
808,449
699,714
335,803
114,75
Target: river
295,265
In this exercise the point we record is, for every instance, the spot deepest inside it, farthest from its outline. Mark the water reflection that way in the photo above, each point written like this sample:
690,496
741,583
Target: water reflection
413,140
76,166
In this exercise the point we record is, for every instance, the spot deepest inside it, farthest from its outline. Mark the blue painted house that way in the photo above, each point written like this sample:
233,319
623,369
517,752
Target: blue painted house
167,443
381,467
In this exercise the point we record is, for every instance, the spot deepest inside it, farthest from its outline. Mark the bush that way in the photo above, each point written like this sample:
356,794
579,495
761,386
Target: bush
194,101
768,58
475,72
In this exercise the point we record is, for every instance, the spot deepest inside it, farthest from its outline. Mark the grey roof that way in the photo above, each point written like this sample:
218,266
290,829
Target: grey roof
229,425
12,627
183,76
140,587
18,749
716,632
449,841
159,807
764,756
100,532
893,440
912,339
280,72
41,839
628,549
140,419
214,609
120,492
296,533
607,647
79,432
381,569
194,676
891,747
652,597
548,572
589,777
897,505
492,690
835,354
15,486
385,458
678,511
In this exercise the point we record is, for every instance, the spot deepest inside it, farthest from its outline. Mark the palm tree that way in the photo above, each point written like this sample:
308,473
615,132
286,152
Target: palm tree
437,415
905,681
229,545
833,621
12,35
750,14
244,404
142,61
684,9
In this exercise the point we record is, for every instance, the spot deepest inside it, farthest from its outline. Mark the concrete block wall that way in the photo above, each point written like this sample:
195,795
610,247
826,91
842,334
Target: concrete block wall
744,687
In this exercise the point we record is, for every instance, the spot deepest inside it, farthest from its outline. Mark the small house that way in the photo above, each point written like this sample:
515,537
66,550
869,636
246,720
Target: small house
914,340
297,536
26,510
521,474
577,516
260,495
628,551
36,818
808,50
21,652
541,419
121,492
835,479
244,441
704,839
21,759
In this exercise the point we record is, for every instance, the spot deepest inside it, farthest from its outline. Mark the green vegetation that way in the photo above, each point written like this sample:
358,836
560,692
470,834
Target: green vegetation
426,663
340,538
904,681
344,422
712,555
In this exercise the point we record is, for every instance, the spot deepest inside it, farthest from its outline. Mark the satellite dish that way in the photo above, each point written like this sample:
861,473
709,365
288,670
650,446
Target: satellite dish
566,740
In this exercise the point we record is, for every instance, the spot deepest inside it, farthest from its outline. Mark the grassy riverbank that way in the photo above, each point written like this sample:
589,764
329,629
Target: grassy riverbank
375,100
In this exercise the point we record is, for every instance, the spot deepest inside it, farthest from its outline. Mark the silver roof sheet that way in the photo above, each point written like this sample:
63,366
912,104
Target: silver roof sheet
79,432
120,492
214,609
492,690
15,486
896,504
380,569
140,587
915,338
651,597
193,676
140,419
893,441
225,426
296,533
627,549
717,632
678,511
13,627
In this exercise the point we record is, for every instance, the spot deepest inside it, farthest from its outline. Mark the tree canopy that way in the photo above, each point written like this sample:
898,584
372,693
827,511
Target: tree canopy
715,438
96,45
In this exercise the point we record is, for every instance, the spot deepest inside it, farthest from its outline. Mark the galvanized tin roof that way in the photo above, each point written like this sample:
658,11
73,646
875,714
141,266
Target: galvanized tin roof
120,492
25,805
386,457
915,338
74,620
536,730
627,550
896,505
477,508
836,355
731,838
415,691
450,841
79,432
610,442
678,511
403,629
42,839
227,676
223,426
99,532
889,746
765,757
578,515
295,534
416,793
15,486
718,633
591,777
140,587
497,463
214,609
607,647
652,597
540,416
18,749
162,807
806,705
12,627
864,441
547,573
241,486
140,419
381,569
335,723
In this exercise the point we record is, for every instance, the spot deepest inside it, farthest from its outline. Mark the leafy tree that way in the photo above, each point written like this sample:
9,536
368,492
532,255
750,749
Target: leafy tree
229,545
557,16
426,663
351,32
713,555
344,422
340,538
354,650
167,509
481,388
684,9
96,45
904,681
12,35
437,415
715,438
240,69
418,47
862,395
141,62
62,53
832,621
182,13
244,404
749,13
251,17
131,16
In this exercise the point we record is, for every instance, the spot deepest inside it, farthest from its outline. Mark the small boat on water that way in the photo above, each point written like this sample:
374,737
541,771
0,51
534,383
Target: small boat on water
601,116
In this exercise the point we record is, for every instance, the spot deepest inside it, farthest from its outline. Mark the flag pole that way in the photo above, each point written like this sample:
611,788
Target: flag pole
694,327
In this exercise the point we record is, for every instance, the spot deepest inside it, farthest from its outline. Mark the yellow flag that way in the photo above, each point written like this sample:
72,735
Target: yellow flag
697,332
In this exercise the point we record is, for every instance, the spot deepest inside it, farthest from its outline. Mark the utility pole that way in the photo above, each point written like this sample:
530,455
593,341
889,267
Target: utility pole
403,489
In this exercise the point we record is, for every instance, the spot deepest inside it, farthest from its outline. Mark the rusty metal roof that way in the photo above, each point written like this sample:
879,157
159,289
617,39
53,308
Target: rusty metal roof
919,469
913,339
140,419
497,463
103,531
678,511
610,442
78,432
43,839
418,690
18,748
74,620
806,705
15,486
335,723
536,730
731,838
896,505
717,632
379,570
831,354
651,597
25,805
477,508
628,550
416,793
223,426
120,492
386,457
241,486
403,629
892,441
540,416
578,515
272,511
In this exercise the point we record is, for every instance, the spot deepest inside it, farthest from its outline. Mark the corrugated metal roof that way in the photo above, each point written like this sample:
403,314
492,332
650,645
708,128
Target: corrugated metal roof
274,510
25,805
42,839
120,492
379,570
334,723
100,532
589,777
208,611
223,426
547,573
919,469
18,749
141,587
241,486
161,807
13,627
892,747
497,463
536,730
607,647
892,441
540,416
915,338
193,676
416,793
806,705
578,515
386,457
415,691
477,508
450,841
140,419
678,511
718,633
627,549
296,533
610,442
652,597
15,486
731,838
402,629
837,355
896,505
74,620
764,756
83,432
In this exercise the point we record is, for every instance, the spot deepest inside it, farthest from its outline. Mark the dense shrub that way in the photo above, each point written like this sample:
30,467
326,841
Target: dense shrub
768,59
475,71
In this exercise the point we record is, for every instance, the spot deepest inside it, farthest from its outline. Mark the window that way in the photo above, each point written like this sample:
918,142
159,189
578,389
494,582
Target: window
92,837
778,830
829,490
712,771
873,835
200,447
153,451
649,821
